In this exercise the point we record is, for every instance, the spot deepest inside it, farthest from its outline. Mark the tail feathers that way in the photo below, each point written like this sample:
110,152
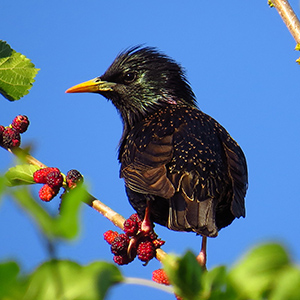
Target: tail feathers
186,215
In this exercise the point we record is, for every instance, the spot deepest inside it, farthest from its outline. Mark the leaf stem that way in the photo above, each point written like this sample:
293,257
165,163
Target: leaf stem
149,283
289,18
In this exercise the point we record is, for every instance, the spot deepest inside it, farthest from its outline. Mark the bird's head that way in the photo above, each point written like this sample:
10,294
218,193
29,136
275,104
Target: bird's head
139,82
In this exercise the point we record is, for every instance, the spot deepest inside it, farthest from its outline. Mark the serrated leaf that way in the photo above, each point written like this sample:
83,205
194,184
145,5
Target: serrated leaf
254,275
17,73
20,174
185,274
67,280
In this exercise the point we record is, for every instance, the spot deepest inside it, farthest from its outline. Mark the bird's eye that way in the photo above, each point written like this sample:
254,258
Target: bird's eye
129,77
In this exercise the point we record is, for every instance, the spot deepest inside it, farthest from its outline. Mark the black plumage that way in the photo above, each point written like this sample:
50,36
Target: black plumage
174,158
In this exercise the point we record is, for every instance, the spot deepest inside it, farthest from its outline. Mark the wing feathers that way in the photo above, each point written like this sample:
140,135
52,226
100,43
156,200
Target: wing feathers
152,181
147,173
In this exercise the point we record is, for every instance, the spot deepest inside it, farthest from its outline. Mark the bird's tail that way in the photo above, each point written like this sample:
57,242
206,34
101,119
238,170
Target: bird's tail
197,216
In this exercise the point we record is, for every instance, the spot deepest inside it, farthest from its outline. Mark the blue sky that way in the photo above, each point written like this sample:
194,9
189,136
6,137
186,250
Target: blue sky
240,60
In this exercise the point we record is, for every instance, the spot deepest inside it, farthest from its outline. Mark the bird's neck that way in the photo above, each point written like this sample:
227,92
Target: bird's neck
132,118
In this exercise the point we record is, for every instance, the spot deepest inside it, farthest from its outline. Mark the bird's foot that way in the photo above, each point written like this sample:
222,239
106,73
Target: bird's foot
147,225
202,256
146,229
133,244
136,241
145,233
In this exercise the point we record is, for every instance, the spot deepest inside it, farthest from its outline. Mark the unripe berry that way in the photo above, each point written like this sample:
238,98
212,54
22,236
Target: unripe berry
131,227
20,123
47,193
135,217
110,235
73,178
120,244
40,175
160,276
122,259
54,178
10,138
2,128
152,235
146,250
158,243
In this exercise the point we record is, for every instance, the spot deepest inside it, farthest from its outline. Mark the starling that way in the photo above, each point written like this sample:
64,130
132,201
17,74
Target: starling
181,168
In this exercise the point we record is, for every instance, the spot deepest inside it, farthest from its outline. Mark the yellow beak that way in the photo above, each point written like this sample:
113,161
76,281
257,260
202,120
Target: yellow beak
95,85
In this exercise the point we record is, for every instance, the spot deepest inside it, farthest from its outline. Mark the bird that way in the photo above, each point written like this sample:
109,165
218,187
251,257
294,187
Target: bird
181,168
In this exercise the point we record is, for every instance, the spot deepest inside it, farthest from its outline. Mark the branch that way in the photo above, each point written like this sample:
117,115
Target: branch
93,202
149,283
289,17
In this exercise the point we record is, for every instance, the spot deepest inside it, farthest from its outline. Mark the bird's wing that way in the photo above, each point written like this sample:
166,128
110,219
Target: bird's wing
198,172
144,165
237,170
212,186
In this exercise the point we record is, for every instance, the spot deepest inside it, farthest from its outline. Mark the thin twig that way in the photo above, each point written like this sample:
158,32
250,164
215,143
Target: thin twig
23,155
93,202
289,18
150,283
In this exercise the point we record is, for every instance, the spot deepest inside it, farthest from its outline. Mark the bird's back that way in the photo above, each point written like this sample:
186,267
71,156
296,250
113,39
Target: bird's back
190,167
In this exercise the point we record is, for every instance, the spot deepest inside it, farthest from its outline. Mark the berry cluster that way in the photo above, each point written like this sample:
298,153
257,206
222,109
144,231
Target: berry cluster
10,135
52,180
134,242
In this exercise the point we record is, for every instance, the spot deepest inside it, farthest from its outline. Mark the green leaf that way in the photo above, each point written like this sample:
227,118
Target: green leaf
16,73
287,285
67,280
60,280
215,286
66,224
21,174
254,275
39,214
11,287
2,185
185,274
